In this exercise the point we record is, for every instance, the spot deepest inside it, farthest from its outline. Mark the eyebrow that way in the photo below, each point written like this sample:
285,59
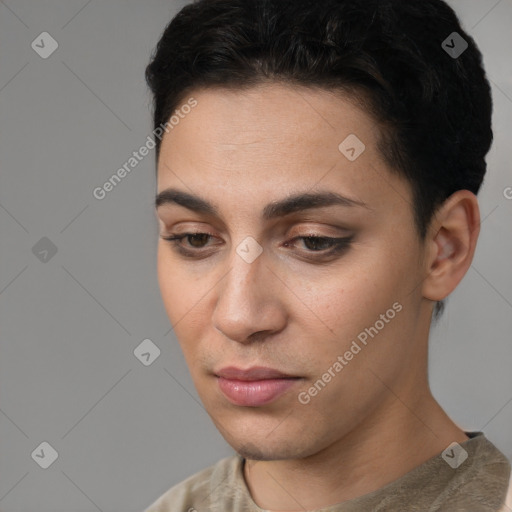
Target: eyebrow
286,206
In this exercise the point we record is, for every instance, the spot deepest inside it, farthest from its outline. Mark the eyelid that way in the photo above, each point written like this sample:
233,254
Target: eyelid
293,222
180,229
332,231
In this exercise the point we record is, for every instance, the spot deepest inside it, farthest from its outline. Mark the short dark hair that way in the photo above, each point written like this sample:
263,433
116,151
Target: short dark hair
434,110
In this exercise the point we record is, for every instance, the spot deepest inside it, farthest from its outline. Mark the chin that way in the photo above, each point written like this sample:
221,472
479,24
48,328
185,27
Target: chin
255,447
252,451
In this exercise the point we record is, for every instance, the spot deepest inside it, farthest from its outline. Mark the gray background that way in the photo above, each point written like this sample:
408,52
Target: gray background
126,432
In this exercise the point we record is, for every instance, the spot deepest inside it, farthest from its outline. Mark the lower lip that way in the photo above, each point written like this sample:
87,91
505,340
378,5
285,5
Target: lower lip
256,392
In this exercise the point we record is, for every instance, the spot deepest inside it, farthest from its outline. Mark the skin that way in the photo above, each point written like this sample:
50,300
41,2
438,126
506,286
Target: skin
296,311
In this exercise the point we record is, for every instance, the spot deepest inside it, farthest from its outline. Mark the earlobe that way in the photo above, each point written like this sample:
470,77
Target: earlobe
452,242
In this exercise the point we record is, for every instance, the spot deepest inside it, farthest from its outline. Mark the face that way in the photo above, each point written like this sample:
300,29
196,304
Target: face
323,289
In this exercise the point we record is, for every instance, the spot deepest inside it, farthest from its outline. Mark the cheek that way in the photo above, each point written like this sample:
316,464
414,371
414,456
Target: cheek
185,297
173,287
352,298
348,291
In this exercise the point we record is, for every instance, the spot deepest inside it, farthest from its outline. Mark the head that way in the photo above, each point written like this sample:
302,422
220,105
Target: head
298,123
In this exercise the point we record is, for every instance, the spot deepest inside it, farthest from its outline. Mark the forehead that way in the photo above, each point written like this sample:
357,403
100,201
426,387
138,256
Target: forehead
273,114
273,140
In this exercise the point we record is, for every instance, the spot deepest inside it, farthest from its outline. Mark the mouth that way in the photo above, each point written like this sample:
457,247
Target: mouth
255,386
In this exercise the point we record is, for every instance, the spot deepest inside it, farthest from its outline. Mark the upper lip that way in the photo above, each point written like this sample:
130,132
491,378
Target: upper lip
254,373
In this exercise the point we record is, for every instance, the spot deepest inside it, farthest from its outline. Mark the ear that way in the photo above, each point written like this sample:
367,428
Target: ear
450,244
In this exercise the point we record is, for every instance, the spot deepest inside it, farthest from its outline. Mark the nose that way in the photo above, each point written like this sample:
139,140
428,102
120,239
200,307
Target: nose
250,300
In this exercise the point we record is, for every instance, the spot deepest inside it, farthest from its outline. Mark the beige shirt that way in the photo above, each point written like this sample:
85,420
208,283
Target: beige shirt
479,484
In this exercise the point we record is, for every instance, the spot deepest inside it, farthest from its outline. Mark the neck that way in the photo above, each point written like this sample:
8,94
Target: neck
395,440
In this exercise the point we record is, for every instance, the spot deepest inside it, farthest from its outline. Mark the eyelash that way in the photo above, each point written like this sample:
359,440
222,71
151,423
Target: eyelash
337,245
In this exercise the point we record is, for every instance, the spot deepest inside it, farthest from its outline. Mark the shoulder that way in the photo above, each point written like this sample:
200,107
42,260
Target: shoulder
485,479
196,489
507,507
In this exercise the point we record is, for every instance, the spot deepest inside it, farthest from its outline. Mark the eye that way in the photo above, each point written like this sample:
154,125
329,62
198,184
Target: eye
318,243
196,240
321,245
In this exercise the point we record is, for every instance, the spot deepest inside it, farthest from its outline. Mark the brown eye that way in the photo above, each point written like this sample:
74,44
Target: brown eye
316,243
196,242
199,238
325,246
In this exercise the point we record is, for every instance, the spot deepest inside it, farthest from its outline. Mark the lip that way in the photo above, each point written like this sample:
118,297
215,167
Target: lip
253,373
255,386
